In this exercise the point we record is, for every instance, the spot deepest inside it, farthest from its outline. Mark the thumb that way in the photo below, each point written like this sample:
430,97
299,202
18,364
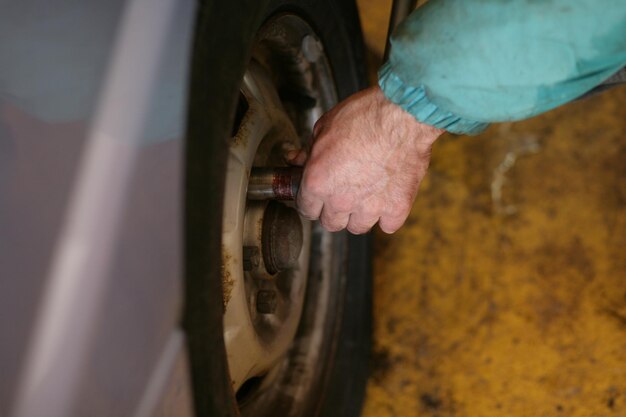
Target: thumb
296,157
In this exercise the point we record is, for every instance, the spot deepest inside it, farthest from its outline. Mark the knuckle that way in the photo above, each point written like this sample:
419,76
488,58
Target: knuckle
341,204
309,208
308,216
360,224
332,223
401,209
315,183
372,210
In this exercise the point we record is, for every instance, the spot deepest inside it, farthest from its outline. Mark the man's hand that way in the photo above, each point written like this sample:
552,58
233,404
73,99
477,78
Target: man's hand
366,163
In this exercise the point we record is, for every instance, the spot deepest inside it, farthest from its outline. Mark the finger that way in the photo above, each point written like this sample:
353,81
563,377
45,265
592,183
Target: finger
334,221
360,223
296,157
309,207
390,223
317,127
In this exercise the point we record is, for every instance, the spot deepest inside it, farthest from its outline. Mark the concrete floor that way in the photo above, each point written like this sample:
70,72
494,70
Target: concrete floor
505,292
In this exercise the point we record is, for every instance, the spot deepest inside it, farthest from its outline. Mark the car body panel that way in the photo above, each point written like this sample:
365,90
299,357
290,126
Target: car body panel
92,115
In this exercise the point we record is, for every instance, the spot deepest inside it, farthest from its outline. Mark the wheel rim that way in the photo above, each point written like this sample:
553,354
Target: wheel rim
286,87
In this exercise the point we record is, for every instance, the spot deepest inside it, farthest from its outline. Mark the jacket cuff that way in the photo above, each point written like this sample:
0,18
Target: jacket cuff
416,102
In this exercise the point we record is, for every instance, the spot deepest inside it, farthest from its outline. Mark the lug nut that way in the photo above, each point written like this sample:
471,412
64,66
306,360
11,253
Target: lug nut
251,258
266,301
311,48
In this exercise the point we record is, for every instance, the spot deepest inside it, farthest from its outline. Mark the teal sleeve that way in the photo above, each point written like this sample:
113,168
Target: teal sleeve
462,64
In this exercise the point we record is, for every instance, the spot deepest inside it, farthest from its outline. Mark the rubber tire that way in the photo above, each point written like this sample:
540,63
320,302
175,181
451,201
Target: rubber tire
221,51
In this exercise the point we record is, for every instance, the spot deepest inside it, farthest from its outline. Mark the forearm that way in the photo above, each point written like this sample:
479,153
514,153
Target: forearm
462,64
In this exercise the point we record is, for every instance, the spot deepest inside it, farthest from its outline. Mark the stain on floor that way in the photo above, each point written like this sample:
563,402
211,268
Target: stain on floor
505,292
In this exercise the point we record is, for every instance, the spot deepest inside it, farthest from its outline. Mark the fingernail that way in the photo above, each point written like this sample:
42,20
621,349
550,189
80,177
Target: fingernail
291,155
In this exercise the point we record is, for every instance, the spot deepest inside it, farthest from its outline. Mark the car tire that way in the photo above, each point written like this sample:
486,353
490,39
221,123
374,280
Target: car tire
224,35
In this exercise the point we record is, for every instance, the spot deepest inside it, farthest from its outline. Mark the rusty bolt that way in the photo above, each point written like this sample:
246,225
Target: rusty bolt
266,301
251,258
274,183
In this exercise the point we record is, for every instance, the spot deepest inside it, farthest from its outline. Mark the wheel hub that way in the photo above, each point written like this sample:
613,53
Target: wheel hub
273,239
281,237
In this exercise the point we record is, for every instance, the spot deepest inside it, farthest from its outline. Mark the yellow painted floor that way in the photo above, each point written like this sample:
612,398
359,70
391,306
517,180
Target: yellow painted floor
505,292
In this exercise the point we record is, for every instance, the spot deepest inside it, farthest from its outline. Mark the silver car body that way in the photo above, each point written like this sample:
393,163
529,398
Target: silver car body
92,115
